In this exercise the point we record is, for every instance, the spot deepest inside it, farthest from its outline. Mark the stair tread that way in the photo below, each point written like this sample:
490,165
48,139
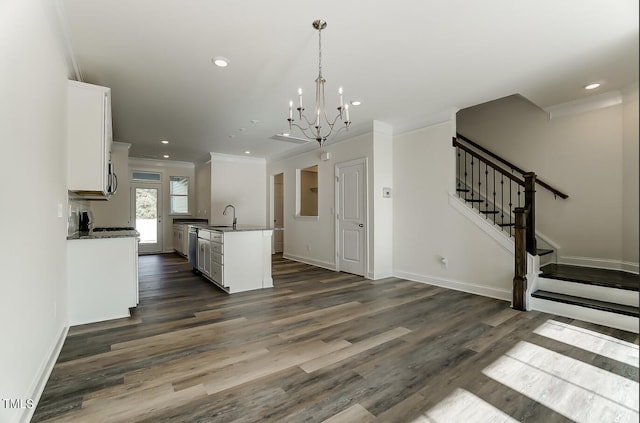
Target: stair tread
507,224
587,302
544,251
463,190
473,200
592,276
489,211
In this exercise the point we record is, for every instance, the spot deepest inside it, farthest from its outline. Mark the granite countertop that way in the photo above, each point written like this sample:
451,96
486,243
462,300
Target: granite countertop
102,235
239,228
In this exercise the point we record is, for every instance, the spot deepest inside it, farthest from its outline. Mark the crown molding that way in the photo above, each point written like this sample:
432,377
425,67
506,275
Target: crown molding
219,157
583,105
138,162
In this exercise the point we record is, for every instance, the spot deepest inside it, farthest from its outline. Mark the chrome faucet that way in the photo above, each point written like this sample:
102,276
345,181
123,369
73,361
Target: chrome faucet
224,213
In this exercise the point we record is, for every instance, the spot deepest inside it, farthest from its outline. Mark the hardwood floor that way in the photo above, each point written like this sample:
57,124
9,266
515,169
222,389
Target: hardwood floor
323,346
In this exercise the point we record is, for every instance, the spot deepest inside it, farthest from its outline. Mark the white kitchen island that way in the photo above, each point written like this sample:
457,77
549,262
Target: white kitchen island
235,260
102,276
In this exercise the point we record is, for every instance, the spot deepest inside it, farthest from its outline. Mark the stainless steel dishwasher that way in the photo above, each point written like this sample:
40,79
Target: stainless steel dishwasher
193,247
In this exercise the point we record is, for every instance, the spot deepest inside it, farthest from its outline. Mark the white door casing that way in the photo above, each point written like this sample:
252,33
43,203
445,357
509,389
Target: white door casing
351,216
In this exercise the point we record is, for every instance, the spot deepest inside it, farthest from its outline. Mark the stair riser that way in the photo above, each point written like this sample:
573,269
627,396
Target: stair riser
594,292
586,314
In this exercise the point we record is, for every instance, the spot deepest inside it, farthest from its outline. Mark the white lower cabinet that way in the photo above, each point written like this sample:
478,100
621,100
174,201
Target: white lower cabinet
102,278
180,239
238,260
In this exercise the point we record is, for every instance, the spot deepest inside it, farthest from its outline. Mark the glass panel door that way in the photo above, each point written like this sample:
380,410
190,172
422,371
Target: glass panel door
146,202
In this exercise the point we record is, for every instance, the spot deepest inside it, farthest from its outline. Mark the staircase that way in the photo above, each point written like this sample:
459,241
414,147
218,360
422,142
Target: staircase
498,190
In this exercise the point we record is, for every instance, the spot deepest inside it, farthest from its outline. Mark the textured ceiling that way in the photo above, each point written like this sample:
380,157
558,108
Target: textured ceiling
406,60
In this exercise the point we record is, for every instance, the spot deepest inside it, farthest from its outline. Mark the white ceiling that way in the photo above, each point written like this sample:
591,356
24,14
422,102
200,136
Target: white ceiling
406,60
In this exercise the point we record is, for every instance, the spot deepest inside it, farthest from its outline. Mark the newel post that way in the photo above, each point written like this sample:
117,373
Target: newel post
520,278
530,205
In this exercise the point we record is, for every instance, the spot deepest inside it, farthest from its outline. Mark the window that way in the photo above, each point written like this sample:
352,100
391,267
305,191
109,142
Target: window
146,176
179,193
308,191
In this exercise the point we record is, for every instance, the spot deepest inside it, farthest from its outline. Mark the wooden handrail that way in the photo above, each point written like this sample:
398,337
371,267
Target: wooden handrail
512,166
502,170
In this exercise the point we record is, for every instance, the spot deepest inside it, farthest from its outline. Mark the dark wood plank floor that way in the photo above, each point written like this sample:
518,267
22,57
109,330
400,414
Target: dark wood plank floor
319,346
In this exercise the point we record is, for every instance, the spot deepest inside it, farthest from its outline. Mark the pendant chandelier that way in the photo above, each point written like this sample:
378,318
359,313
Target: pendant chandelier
321,126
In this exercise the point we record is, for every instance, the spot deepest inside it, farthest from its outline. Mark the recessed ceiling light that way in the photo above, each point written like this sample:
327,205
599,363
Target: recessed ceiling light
356,103
166,156
254,121
164,142
285,135
592,86
242,129
232,136
221,62
247,152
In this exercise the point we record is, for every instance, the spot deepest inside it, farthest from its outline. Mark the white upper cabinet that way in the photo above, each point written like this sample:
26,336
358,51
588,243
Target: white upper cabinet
89,139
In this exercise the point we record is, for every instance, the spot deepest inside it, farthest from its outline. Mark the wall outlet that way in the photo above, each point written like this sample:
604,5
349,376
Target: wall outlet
444,263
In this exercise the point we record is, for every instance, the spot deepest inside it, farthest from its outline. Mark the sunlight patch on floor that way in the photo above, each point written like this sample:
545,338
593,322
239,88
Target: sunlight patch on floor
463,406
588,340
576,390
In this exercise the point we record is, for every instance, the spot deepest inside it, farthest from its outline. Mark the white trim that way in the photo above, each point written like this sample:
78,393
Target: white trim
599,263
421,122
120,146
481,222
312,262
42,376
138,162
594,292
600,317
219,157
583,105
484,291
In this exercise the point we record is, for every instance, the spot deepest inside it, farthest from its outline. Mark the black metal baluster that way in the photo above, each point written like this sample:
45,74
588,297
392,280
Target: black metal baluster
459,190
472,187
510,205
494,194
486,189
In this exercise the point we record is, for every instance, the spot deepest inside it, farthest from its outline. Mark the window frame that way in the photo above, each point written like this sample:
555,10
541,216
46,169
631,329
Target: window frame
172,195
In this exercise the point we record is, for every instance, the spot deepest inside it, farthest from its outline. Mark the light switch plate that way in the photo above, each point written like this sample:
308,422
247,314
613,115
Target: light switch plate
59,210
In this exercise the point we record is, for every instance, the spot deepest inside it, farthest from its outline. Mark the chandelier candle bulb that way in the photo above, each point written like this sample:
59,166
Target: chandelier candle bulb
341,102
346,109
290,110
300,98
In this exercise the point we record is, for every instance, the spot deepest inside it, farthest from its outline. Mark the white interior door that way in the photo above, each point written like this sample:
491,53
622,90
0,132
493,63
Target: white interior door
278,213
351,217
146,204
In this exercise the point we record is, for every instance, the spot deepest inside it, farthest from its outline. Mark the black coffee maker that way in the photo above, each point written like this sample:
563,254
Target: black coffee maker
84,221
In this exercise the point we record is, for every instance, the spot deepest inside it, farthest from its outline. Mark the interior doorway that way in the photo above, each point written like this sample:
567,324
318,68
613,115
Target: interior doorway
278,213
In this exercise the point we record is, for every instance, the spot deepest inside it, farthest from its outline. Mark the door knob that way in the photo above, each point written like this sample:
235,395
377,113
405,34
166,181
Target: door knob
361,225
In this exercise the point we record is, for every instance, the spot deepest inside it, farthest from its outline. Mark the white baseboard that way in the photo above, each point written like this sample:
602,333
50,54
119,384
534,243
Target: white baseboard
599,263
599,317
501,294
40,381
308,260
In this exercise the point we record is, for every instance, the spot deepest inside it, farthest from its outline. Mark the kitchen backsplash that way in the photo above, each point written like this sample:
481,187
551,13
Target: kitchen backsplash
75,207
